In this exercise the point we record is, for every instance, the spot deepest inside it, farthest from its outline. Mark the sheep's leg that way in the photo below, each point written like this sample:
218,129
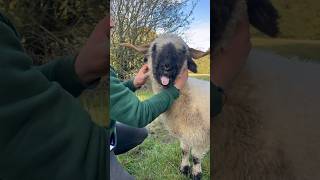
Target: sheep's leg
185,164
197,154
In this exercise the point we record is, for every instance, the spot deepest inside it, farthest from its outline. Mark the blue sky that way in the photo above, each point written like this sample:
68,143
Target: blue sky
198,35
202,11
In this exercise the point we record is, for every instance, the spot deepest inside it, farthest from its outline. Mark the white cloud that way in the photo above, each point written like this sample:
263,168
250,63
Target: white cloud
198,36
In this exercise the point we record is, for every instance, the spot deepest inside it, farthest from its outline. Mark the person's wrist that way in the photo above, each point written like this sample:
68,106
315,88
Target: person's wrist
136,85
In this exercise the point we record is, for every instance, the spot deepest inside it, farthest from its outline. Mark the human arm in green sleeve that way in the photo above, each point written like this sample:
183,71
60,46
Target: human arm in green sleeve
62,70
125,106
129,84
44,131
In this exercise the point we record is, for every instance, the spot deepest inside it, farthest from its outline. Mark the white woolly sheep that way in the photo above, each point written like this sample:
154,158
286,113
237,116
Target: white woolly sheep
269,126
188,118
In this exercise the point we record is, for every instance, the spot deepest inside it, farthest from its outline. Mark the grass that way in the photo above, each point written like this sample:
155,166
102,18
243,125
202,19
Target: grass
157,160
200,76
299,19
203,65
305,49
159,156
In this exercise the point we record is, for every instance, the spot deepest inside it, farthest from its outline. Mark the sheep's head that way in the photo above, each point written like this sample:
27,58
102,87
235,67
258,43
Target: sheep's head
168,55
261,13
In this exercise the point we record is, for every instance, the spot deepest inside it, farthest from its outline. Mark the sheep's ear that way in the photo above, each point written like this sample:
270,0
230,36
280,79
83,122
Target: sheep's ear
192,66
141,48
196,54
264,16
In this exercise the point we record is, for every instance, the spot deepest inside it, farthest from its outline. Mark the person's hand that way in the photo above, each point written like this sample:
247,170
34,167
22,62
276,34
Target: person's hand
230,61
91,62
181,79
141,77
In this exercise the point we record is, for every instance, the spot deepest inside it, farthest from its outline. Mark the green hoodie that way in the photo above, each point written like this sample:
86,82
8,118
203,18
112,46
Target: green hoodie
125,107
44,131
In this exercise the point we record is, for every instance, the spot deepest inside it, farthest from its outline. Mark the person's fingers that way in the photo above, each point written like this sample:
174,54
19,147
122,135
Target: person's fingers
145,68
146,76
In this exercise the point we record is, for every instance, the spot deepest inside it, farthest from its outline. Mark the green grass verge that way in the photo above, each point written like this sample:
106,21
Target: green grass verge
305,49
200,76
203,65
299,19
156,160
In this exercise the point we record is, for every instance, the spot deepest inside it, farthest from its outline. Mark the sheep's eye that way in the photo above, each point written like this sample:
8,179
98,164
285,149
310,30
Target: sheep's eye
145,59
184,50
154,47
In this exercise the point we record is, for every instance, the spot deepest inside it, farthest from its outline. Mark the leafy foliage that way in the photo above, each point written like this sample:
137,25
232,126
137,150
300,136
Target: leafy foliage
53,27
138,21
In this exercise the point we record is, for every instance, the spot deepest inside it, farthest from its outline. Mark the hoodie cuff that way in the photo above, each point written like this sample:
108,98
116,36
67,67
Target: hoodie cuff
129,84
173,91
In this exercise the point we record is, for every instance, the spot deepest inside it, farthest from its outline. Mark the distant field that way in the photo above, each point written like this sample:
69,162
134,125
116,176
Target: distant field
299,19
200,76
203,65
304,49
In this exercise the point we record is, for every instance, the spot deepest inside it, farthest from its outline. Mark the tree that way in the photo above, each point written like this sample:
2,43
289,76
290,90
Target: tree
52,28
137,22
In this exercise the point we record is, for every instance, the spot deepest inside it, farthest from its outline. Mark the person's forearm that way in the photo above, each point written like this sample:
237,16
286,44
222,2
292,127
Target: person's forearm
125,106
129,84
62,71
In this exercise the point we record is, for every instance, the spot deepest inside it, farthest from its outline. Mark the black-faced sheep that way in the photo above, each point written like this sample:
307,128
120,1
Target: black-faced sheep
188,118
269,126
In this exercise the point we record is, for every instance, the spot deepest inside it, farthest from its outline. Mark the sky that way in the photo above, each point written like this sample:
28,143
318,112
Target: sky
198,35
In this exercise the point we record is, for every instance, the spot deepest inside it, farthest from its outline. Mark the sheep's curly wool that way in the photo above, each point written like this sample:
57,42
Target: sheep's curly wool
269,126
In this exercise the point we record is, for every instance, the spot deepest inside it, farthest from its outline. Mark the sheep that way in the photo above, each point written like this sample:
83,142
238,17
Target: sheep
188,119
269,127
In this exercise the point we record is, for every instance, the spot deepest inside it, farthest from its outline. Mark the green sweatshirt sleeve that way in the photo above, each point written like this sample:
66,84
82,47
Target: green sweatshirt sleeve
125,106
129,84
44,131
57,70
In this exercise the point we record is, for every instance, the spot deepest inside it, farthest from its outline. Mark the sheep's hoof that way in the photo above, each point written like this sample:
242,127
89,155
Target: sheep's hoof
185,170
197,176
